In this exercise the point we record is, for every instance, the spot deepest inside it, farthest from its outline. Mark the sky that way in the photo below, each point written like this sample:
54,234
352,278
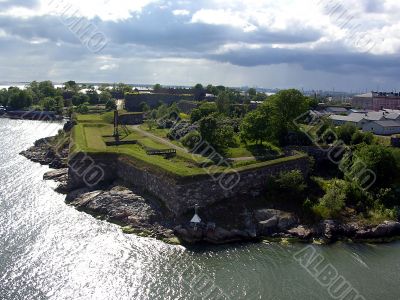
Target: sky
351,45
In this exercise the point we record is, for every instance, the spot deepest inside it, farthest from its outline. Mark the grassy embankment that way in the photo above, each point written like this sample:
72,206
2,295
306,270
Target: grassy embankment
92,130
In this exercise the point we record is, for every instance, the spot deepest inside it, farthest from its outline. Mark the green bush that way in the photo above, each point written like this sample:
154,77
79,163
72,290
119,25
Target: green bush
287,184
332,203
82,109
346,132
191,139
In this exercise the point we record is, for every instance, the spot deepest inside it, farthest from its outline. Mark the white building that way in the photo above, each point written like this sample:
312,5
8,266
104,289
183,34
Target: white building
386,127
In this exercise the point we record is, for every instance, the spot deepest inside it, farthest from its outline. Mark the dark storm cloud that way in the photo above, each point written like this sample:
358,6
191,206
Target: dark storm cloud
157,33
338,62
162,29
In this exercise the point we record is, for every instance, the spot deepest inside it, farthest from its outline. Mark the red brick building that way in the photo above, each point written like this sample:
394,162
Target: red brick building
377,101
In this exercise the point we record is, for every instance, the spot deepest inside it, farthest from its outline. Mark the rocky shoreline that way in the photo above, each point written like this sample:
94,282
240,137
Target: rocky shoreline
146,216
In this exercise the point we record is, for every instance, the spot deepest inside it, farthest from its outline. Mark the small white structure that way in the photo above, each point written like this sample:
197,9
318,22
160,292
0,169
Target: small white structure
386,127
196,220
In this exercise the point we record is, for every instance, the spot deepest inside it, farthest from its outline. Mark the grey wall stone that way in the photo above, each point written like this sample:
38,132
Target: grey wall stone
180,196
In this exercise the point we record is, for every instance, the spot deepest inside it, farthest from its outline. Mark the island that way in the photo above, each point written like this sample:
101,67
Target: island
220,165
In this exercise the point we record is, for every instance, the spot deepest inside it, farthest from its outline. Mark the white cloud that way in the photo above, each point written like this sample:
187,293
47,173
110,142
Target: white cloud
106,10
222,17
181,12
108,67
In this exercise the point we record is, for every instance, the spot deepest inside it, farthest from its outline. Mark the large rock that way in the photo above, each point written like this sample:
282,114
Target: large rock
385,230
56,175
301,232
122,206
271,221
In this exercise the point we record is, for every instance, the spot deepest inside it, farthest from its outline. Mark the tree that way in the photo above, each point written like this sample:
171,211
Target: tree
332,203
252,92
260,97
71,86
151,123
47,89
79,99
82,109
199,92
223,103
205,109
110,105
105,96
377,159
93,96
144,106
256,125
33,87
3,97
18,99
216,132
292,181
157,87
53,104
345,132
287,106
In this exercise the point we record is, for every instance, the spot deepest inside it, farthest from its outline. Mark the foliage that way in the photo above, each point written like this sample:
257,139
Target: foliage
191,139
332,203
287,106
181,129
157,87
53,104
151,124
252,92
291,181
110,105
346,132
223,103
144,106
360,137
199,92
377,159
18,99
204,110
216,133
105,97
256,125
93,96
82,109
79,99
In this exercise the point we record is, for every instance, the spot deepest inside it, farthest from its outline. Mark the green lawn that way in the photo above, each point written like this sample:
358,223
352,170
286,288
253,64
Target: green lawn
91,132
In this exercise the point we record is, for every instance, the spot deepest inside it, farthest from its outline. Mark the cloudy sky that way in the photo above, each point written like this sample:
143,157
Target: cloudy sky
312,44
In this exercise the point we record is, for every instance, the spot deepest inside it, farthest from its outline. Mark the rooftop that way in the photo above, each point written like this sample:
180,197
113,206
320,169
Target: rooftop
388,123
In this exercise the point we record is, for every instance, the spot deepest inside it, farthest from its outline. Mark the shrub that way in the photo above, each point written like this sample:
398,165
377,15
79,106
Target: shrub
191,139
331,204
82,109
110,105
345,132
287,184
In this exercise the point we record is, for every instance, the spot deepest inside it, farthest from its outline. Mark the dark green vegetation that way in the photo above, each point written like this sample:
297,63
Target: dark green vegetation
73,96
363,186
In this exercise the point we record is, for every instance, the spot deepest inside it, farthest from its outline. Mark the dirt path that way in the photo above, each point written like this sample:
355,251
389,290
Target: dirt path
159,139
176,147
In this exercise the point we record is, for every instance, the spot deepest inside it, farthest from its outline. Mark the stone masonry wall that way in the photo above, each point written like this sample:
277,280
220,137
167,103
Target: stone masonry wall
181,196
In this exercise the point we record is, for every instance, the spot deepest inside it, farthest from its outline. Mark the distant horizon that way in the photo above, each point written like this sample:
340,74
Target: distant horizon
324,45
11,83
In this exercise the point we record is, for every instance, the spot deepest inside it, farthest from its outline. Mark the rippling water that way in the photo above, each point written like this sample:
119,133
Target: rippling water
48,250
